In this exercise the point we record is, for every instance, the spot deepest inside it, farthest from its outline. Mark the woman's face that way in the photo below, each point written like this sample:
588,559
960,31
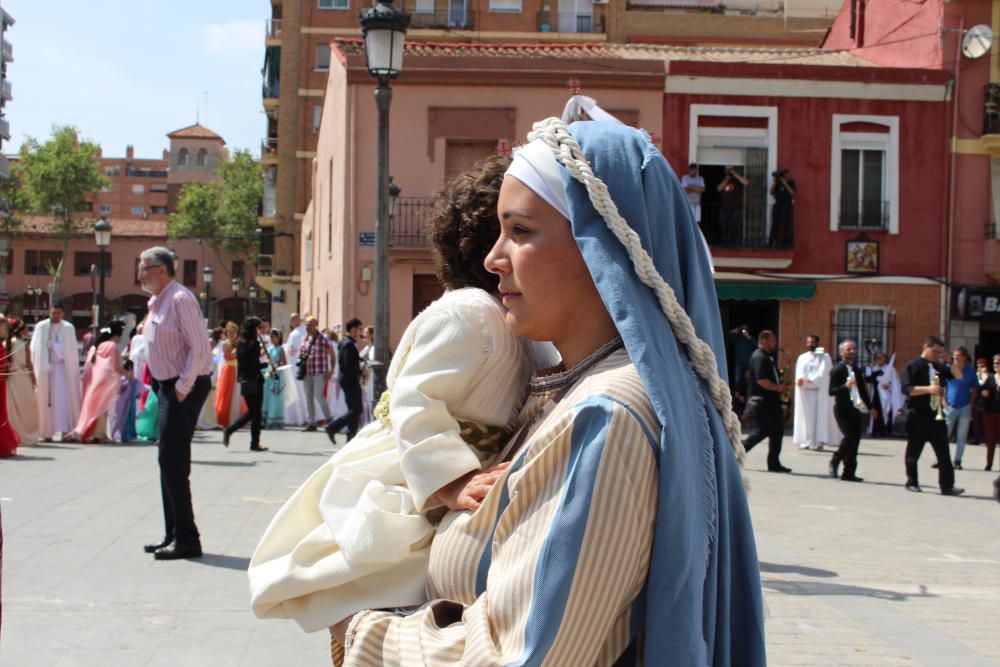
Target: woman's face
232,334
544,281
275,339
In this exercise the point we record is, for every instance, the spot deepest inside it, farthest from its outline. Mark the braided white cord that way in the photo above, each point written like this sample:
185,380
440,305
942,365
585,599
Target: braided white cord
554,133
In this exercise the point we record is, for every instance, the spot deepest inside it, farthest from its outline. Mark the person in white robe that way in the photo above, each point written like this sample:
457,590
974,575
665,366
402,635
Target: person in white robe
815,425
295,406
57,374
890,390
367,355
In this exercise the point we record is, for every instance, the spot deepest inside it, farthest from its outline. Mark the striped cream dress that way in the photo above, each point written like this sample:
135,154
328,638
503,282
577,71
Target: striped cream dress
550,569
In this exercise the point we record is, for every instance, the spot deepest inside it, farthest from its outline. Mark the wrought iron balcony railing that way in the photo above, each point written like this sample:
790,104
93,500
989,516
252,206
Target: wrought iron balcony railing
742,227
455,18
549,21
273,29
991,108
864,214
409,224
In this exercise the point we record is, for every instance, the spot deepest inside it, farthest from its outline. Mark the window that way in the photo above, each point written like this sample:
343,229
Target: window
505,5
190,273
105,208
864,174
158,210
202,157
868,326
138,189
322,57
38,262
862,189
85,207
82,261
138,210
182,157
317,117
237,270
113,171
334,4
106,188
424,7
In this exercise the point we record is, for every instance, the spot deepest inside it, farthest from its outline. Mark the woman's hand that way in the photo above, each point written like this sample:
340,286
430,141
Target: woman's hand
467,492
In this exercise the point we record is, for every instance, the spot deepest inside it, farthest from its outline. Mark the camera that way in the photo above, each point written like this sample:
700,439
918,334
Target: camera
779,173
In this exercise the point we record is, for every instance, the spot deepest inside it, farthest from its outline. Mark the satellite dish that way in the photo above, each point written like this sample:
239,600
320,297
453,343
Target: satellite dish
977,41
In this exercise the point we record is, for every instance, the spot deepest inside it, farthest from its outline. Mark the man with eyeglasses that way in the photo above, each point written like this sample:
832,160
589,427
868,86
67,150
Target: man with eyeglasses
180,361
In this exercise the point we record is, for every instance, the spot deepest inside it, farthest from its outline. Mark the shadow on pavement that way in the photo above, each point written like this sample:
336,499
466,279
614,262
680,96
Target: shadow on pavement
41,445
779,568
826,588
226,464
24,457
278,451
227,562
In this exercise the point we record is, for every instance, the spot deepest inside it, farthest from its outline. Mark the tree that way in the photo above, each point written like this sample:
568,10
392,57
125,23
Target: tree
56,178
13,204
224,214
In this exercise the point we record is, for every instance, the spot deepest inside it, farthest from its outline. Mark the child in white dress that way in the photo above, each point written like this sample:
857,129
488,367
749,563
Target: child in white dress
357,534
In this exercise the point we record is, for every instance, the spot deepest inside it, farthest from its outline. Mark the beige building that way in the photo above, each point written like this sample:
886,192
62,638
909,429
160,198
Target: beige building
451,106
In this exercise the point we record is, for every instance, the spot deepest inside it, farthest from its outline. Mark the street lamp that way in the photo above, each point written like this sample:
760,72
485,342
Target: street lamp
235,282
31,292
253,300
102,234
206,276
384,29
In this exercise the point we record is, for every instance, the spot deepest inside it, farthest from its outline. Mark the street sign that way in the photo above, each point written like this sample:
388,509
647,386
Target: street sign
366,238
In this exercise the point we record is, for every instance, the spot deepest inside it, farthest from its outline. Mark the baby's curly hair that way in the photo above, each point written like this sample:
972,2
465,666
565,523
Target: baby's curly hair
463,224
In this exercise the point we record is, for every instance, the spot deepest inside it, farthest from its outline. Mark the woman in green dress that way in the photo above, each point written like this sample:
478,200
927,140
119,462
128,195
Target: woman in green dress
274,386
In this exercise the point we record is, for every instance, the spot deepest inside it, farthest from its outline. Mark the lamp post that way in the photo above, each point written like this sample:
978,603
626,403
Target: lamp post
236,287
206,276
31,292
102,234
253,300
384,29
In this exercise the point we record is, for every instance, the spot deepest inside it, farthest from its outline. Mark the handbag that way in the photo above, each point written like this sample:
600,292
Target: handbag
301,365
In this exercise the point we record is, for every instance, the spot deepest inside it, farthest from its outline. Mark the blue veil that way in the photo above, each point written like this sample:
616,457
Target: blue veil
703,601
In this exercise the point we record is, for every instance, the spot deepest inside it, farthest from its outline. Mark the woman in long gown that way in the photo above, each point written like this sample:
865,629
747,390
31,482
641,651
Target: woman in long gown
9,439
227,398
206,420
102,375
22,409
274,384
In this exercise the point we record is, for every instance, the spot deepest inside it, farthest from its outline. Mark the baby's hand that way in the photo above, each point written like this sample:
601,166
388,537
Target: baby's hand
467,492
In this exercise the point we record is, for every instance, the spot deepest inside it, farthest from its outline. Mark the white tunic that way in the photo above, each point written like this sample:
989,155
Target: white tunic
353,536
56,359
815,425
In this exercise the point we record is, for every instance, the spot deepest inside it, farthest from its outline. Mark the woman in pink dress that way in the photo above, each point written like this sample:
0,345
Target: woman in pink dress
9,439
101,380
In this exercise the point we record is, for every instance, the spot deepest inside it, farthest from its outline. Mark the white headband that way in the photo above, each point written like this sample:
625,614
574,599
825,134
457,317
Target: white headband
536,167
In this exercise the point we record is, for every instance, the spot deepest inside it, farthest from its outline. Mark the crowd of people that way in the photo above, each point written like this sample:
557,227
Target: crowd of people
935,399
102,393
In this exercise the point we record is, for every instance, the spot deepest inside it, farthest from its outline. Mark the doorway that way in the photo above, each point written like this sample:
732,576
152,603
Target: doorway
426,289
757,316
989,341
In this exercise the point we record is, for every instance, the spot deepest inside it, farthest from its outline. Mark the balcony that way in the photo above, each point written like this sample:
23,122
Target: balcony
273,29
549,21
745,227
269,151
7,51
409,228
991,108
455,18
4,167
137,172
6,91
865,215
269,202
5,129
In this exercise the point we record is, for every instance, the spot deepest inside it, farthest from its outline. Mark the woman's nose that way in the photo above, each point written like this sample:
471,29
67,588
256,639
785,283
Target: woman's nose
495,259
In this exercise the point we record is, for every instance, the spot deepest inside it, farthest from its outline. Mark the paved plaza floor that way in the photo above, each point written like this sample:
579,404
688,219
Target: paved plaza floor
854,574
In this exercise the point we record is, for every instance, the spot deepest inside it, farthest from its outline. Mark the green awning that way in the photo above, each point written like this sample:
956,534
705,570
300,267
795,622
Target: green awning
765,291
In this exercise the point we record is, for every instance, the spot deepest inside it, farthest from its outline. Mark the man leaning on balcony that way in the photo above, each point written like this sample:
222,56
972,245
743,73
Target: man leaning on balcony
731,194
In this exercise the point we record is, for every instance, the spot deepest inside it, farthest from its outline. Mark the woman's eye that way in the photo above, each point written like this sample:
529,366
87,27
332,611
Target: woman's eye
518,229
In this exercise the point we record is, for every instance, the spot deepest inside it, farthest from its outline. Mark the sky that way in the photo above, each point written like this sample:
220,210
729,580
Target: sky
130,71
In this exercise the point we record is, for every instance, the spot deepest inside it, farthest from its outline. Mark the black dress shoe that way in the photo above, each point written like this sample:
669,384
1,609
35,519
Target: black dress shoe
779,469
257,448
957,465
953,491
833,470
914,487
176,551
852,478
225,437
330,433
151,548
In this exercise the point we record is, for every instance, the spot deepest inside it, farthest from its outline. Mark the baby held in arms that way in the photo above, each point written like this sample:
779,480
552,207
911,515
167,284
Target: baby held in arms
356,535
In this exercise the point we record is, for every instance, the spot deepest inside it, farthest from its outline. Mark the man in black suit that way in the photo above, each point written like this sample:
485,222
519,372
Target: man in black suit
850,419
764,402
349,364
922,424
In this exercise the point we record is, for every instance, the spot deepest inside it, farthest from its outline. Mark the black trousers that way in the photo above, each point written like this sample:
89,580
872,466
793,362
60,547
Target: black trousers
352,396
851,422
254,397
768,423
177,423
921,429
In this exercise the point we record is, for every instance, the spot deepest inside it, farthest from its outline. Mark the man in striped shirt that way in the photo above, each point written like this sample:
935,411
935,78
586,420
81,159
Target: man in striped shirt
180,361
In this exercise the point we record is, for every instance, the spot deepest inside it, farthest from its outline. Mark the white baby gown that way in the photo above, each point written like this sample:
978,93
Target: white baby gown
355,535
